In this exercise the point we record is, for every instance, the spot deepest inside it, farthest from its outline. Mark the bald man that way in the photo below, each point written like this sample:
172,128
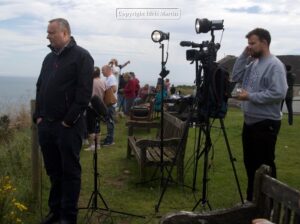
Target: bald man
111,82
63,91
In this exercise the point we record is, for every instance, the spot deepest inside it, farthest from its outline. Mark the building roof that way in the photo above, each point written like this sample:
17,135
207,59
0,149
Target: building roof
293,60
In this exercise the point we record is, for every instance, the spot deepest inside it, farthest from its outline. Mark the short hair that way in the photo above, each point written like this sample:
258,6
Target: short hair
113,60
96,72
262,34
132,74
63,24
106,68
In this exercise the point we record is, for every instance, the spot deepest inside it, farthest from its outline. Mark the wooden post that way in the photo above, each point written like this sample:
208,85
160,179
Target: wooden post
35,160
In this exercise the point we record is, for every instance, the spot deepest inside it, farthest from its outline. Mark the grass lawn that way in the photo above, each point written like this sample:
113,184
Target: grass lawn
119,175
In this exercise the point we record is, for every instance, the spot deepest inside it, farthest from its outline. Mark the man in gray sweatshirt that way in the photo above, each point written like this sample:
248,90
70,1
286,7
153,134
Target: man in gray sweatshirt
264,86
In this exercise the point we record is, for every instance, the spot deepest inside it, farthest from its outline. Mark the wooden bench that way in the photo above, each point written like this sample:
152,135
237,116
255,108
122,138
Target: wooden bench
142,112
147,151
273,200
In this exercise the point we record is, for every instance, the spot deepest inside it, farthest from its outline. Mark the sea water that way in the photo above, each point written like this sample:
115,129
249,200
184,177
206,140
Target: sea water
16,92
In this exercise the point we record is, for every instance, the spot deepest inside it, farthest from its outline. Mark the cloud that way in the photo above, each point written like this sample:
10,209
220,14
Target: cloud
251,10
23,26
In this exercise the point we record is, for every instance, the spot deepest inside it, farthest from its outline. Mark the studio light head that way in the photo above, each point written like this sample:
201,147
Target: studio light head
158,36
205,25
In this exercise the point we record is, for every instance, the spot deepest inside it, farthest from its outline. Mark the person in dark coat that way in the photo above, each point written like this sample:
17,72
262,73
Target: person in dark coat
63,91
290,77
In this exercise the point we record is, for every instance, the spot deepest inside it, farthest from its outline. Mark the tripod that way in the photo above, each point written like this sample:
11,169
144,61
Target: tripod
92,205
205,95
204,153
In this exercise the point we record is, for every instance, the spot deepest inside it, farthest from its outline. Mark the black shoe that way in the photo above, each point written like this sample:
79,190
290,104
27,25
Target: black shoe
51,218
107,143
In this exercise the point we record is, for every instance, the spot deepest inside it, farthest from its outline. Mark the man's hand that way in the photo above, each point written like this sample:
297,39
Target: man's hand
243,95
39,120
247,51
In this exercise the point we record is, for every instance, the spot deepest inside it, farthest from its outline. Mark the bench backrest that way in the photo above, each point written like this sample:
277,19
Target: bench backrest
278,202
173,127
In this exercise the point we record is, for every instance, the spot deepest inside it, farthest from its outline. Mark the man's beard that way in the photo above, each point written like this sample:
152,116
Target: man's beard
256,54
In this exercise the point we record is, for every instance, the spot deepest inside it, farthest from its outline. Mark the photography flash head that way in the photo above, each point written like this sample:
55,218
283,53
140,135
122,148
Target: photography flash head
205,25
158,36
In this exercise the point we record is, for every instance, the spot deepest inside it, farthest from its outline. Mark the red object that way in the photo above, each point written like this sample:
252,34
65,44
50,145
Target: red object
130,89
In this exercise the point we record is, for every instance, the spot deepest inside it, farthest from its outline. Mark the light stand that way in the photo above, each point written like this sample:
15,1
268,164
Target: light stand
92,205
162,74
158,36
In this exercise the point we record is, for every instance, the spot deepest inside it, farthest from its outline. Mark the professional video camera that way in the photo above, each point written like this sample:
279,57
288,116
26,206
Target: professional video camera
213,86
207,49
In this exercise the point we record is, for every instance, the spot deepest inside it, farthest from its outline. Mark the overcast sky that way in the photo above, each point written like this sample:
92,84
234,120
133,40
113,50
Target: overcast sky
104,30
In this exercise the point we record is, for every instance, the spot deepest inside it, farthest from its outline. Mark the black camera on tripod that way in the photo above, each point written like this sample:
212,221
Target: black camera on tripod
213,84
203,53
207,49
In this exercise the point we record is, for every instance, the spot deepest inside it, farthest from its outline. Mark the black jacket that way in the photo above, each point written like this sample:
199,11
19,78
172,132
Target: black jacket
64,87
290,77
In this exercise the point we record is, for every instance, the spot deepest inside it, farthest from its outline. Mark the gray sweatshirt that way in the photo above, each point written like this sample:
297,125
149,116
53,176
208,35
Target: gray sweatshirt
265,81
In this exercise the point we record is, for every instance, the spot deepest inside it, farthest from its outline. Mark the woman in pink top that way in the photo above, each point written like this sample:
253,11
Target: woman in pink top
93,124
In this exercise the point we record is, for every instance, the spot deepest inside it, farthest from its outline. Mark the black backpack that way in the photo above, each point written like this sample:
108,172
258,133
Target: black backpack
218,93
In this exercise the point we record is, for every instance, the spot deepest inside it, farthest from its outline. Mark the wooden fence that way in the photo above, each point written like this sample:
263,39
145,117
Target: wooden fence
36,161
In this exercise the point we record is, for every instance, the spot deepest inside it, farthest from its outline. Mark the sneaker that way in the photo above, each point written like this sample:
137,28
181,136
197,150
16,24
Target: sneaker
90,148
107,143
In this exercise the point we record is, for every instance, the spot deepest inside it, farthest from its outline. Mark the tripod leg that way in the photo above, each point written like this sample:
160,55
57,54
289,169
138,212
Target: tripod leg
197,156
231,160
179,147
206,150
103,201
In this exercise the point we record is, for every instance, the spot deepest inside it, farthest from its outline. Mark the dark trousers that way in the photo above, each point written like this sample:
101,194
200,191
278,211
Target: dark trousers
128,104
259,142
289,107
110,123
61,148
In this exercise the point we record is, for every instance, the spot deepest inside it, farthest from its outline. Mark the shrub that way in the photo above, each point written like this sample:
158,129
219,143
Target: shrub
6,132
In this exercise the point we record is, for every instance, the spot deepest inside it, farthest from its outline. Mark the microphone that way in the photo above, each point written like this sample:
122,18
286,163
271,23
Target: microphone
98,106
189,44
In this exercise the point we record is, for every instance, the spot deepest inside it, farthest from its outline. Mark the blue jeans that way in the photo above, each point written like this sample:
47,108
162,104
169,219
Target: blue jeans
121,102
60,147
110,123
128,105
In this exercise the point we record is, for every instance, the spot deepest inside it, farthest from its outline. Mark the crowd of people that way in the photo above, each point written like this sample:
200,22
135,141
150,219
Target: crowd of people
69,80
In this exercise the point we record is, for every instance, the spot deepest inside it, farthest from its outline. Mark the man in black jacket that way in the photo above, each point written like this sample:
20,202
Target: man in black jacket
64,89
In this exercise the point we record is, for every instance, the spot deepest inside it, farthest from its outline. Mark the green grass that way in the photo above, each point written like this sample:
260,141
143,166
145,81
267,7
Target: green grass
119,175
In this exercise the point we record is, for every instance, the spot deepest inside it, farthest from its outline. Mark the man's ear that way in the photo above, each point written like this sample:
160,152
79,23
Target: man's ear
265,43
